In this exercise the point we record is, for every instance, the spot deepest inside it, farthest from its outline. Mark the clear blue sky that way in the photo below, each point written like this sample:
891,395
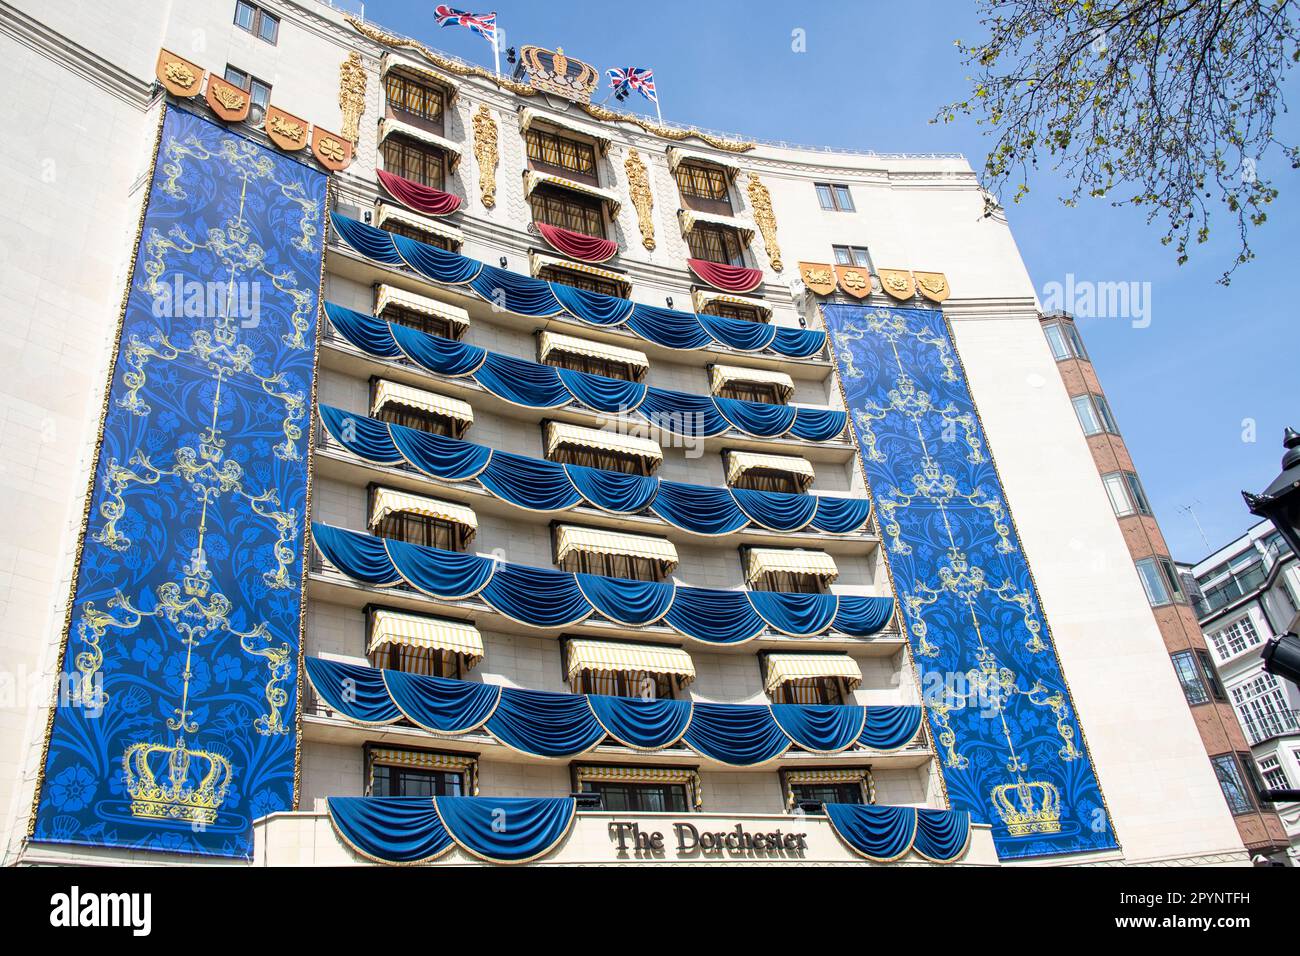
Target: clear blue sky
1211,358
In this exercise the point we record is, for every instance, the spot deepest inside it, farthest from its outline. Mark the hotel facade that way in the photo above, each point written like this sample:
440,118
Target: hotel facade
409,463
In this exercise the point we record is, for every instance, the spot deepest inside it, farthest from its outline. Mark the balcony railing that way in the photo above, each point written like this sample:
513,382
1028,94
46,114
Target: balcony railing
1274,724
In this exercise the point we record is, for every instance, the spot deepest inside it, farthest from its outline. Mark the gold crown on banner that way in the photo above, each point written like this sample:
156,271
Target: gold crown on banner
176,782
555,72
1033,807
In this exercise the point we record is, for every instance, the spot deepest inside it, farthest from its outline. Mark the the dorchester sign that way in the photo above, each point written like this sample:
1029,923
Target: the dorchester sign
687,840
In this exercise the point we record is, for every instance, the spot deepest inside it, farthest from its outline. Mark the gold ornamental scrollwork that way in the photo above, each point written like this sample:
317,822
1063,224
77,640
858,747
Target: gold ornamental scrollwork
761,202
638,183
352,95
485,152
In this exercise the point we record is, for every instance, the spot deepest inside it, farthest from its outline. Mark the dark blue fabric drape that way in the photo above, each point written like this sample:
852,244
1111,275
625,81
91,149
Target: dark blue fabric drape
613,490
355,691
537,596
820,728
632,603
642,724
521,382
359,556
441,705
448,575
603,394
363,330
449,268
888,728
516,293
835,515
717,617
757,418
878,833
800,615
698,508
529,482
776,510
737,333
818,424
798,343
942,835
739,734
674,330
390,829
680,413
862,615
507,829
549,725
370,242
595,308
443,356
439,456
366,438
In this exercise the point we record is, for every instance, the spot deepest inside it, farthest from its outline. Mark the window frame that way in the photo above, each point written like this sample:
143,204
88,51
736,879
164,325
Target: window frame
546,150
1150,574
858,256
709,240
259,17
398,151
1230,761
835,197
1190,678
409,89
565,210
704,187
374,759
583,280
250,84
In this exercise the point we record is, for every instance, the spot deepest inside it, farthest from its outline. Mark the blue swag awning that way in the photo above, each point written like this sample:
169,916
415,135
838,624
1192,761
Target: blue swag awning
547,724
534,385
546,598
883,834
539,485
408,830
537,298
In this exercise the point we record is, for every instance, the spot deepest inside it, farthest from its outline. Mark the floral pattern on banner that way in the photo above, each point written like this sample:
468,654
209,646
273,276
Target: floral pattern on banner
175,723
1009,742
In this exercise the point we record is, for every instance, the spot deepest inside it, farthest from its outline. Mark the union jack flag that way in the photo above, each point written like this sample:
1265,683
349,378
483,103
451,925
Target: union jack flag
634,79
484,24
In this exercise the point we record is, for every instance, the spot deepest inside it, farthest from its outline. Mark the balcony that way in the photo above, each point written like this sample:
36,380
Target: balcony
308,839
1260,728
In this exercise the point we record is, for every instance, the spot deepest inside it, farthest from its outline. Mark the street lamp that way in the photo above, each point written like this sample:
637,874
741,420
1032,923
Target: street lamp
1280,504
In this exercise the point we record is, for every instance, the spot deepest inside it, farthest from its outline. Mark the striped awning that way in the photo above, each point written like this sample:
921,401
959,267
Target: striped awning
388,126
539,261
720,376
391,501
429,633
600,656
705,297
570,538
739,462
387,212
817,564
677,156
562,433
690,219
395,393
533,179
572,345
392,60
386,295
786,668
528,116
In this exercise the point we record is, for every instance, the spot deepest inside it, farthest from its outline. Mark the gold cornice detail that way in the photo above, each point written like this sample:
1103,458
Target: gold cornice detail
352,95
760,201
485,152
638,184
667,132
441,62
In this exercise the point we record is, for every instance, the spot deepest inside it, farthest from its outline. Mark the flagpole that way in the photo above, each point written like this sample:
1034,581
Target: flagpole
496,51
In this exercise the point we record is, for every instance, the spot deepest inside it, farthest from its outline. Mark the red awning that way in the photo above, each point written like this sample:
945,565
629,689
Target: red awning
425,199
578,245
725,277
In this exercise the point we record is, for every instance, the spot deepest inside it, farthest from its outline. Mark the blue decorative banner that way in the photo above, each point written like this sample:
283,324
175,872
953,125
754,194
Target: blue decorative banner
175,724
1009,741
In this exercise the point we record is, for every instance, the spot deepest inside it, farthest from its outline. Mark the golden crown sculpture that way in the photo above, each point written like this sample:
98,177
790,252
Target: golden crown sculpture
554,72
1033,807
193,787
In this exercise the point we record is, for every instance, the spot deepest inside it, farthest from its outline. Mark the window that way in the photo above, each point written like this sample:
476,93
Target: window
1190,678
594,365
789,582
613,566
827,793
1243,578
1262,705
704,188
1233,784
430,324
715,243
583,280
565,210
1237,637
1074,341
417,773
1094,414
1126,494
1210,674
259,91
420,235
639,797
401,413
852,256
414,102
1274,773
729,310
813,690
423,530
426,165
1154,582
834,196
260,23
1063,338
562,155
430,662
638,684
